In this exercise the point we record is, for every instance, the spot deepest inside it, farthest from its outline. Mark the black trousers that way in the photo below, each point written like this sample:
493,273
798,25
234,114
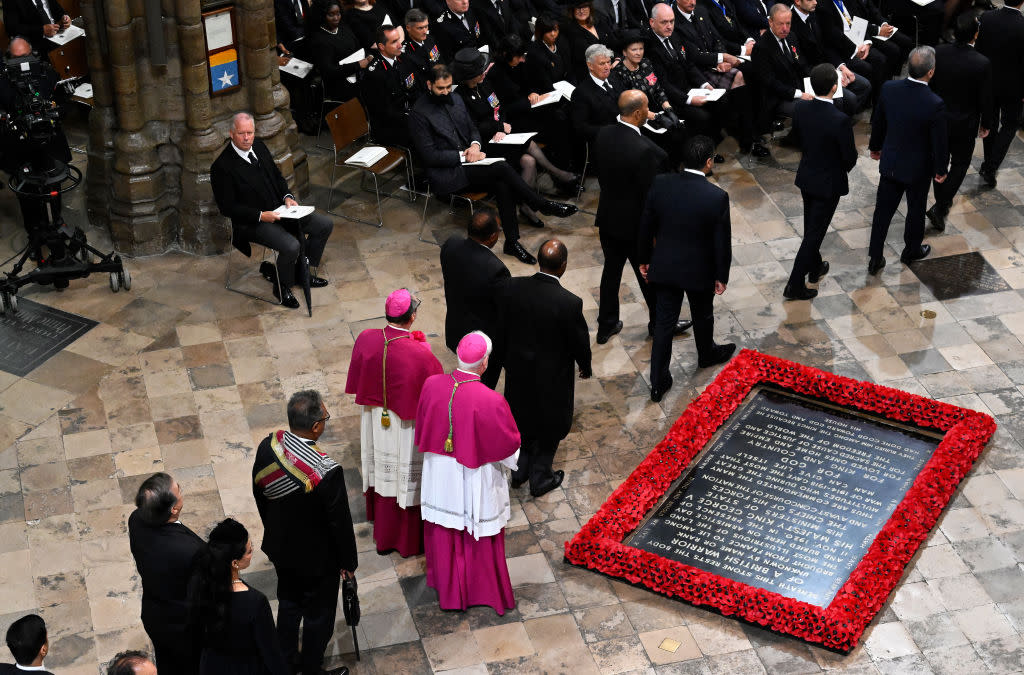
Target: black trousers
535,458
962,136
509,189
890,192
998,140
895,51
874,69
174,651
818,212
616,252
312,601
282,237
669,300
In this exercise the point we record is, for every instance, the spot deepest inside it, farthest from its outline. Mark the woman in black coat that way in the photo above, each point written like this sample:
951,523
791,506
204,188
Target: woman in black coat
582,29
547,57
329,41
233,621
364,17
469,70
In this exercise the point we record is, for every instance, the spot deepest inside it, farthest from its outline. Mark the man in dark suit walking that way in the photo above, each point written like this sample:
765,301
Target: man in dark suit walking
546,337
29,645
1001,39
164,550
307,529
909,156
963,79
248,186
475,280
829,153
626,163
685,249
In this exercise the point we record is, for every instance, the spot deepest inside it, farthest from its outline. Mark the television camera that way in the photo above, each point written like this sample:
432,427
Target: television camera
37,158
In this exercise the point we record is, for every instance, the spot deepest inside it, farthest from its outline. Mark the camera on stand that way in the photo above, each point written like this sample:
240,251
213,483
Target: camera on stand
31,140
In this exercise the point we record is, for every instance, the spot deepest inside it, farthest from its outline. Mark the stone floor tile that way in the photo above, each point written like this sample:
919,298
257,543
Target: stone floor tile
620,655
983,623
888,641
669,645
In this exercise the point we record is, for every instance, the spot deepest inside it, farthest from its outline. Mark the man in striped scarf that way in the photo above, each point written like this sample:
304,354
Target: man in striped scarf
301,496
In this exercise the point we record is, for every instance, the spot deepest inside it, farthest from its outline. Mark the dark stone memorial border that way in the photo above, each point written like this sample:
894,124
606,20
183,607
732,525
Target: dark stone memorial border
789,495
35,333
955,276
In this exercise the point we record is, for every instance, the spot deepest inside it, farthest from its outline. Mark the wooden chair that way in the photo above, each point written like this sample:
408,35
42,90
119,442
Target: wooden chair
348,124
470,198
69,60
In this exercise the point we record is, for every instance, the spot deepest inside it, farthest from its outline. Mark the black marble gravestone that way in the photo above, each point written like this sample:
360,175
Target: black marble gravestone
954,276
789,495
35,333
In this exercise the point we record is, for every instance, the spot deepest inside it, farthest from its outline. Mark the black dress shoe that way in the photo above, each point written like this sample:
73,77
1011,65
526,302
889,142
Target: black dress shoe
719,159
532,221
988,177
778,125
937,217
920,253
758,150
658,392
815,277
719,354
268,271
569,187
516,249
317,282
557,209
547,486
800,292
875,264
604,335
682,326
289,300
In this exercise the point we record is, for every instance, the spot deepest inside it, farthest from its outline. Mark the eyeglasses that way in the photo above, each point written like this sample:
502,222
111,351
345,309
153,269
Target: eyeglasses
324,419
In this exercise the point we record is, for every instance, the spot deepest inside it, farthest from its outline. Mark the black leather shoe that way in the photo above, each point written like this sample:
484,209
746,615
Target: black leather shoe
317,282
658,392
547,486
875,265
758,150
815,277
937,217
532,221
682,326
516,249
604,336
800,292
557,209
268,272
570,187
988,177
778,125
289,300
719,354
719,159
922,252
342,670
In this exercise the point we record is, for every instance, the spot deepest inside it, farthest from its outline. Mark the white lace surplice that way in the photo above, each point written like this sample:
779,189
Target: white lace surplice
460,498
391,465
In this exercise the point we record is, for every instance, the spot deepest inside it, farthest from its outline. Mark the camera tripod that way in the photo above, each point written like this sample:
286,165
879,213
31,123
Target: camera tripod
60,251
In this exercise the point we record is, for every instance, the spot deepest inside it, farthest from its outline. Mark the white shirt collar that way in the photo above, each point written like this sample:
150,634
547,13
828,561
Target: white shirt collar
695,171
825,99
549,275
1016,9
803,16
689,17
598,82
918,81
31,669
390,61
243,155
391,325
631,126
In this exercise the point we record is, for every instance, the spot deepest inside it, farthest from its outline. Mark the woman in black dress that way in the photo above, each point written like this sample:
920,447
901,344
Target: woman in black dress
583,29
329,41
469,70
547,57
635,71
364,17
232,620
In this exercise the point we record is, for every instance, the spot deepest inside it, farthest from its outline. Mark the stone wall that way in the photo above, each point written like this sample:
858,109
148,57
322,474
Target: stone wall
155,130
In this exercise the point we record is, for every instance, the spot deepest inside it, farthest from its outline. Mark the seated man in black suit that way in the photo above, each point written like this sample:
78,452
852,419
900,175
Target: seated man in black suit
474,281
594,103
457,27
164,549
248,186
35,20
27,640
449,145
835,47
289,21
131,662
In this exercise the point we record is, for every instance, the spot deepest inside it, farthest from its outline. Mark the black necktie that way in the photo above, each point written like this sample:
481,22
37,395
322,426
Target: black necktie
42,8
810,24
607,87
786,49
299,13
615,8
252,159
668,47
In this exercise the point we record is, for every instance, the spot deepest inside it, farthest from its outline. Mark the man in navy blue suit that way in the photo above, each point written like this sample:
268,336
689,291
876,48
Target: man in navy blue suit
826,139
909,157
